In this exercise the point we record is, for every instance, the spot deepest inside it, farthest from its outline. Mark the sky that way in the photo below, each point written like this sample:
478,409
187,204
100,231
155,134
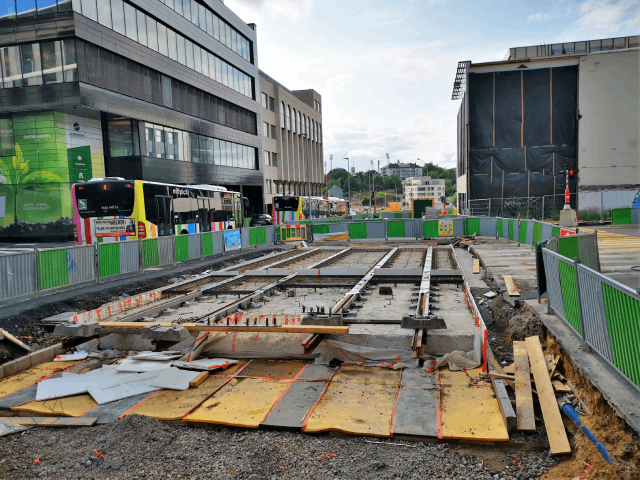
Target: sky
385,69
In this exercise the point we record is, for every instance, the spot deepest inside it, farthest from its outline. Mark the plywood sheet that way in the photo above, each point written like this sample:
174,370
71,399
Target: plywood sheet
524,397
469,413
173,405
74,406
359,400
273,369
28,377
243,402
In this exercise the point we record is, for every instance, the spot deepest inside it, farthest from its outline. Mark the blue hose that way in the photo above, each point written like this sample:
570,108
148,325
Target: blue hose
570,412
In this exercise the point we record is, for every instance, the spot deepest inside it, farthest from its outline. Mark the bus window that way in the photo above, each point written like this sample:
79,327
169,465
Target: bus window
185,210
105,199
204,214
163,221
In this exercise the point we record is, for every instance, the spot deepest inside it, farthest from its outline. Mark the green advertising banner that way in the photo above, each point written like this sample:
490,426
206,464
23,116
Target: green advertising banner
41,155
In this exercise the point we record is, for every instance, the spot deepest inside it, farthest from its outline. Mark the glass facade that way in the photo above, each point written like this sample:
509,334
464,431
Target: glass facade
119,16
211,23
170,143
38,63
570,48
26,8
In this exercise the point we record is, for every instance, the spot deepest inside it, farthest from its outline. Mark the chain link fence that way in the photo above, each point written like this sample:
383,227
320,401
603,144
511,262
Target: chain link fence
537,208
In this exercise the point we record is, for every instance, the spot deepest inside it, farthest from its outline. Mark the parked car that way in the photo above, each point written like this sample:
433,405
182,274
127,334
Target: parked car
261,219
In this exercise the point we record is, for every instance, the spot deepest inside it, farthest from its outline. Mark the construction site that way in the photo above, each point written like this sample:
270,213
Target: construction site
405,356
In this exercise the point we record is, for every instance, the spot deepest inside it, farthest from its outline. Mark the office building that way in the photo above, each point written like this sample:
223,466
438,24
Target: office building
546,109
141,89
292,140
403,170
424,187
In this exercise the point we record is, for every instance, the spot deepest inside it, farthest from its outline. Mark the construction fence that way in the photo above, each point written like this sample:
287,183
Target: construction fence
625,216
604,313
51,270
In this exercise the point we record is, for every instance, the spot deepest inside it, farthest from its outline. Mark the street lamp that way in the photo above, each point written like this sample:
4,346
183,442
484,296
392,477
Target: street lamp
425,164
349,183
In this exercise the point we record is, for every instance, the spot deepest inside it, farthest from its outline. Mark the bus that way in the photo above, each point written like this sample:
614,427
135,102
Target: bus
107,210
289,208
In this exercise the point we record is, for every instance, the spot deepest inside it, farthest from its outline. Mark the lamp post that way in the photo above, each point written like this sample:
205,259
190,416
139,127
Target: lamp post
371,194
308,174
425,164
395,186
348,183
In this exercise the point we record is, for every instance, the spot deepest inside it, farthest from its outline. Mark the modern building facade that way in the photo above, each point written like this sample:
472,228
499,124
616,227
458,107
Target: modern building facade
292,140
547,109
142,89
424,187
403,170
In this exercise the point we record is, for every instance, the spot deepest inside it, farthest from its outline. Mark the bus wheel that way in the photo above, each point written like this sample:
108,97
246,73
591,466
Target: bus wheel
184,232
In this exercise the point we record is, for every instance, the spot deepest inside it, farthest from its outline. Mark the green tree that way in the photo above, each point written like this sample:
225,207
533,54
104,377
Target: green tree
364,201
17,177
325,191
454,198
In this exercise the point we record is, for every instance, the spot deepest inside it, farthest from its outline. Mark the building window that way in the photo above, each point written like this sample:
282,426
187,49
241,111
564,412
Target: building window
288,117
267,157
320,133
293,121
267,184
282,122
272,104
273,131
23,65
265,129
274,159
264,100
299,124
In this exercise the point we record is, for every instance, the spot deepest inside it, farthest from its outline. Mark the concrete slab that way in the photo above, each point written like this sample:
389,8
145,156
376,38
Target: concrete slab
417,408
128,387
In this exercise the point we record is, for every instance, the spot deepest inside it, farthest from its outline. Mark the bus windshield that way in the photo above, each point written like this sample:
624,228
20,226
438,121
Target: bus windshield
286,204
105,199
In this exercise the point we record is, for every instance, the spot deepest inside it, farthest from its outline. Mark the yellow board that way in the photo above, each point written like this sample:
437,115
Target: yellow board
243,402
272,369
74,406
30,376
359,400
469,413
174,405
445,228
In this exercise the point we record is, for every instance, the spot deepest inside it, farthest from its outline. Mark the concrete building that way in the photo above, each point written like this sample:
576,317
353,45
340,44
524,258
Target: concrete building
155,90
545,109
335,191
403,170
424,187
291,133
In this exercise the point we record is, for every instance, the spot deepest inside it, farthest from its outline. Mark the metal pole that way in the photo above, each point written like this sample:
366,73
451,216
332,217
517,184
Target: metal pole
304,135
585,345
349,184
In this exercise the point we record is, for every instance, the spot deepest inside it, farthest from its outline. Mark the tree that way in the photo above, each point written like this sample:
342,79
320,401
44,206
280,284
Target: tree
365,201
325,191
335,181
454,198
18,178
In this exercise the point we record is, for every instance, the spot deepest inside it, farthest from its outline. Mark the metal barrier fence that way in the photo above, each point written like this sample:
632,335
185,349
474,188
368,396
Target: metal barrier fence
49,270
625,216
604,313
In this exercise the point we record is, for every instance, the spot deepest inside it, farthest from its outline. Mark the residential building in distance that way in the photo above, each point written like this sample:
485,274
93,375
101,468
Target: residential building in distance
292,140
335,191
424,187
153,90
522,119
403,170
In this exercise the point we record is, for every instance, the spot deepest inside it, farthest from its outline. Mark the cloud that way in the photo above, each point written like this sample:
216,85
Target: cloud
538,17
289,9
601,18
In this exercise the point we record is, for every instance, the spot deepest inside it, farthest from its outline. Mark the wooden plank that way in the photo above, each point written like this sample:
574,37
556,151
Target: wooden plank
54,421
524,397
193,327
558,440
560,387
511,286
510,369
499,368
198,380
500,376
476,266
6,335
551,366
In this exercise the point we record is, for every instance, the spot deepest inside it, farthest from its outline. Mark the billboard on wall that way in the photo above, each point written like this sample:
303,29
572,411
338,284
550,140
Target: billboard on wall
41,155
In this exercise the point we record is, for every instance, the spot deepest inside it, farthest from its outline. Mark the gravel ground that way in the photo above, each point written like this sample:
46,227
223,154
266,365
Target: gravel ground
139,447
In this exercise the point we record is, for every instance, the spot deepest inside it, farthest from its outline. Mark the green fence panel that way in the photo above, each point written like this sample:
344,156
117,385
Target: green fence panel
623,314
537,232
262,235
511,230
207,244
53,268
150,253
397,215
431,229
321,229
395,229
570,294
471,226
278,237
182,248
500,228
358,230
524,226
621,216
555,231
569,247
253,237
109,259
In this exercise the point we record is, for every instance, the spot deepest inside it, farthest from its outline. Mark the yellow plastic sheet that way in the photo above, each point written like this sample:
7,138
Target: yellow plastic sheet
359,400
74,406
469,413
243,402
30,376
